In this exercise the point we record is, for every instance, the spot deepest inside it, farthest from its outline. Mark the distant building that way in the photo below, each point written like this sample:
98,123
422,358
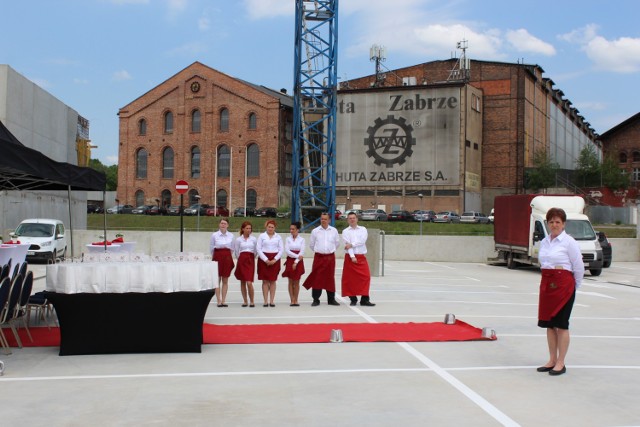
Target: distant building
522,113
622,142
228,138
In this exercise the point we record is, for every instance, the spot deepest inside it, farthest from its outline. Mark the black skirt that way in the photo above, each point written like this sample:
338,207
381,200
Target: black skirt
560,320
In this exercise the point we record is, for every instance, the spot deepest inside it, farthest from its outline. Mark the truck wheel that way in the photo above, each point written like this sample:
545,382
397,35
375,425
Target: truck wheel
595,271
606,264
511,264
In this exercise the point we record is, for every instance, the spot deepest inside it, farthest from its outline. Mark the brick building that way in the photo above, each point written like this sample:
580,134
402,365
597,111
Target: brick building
623,143
229,139
522,113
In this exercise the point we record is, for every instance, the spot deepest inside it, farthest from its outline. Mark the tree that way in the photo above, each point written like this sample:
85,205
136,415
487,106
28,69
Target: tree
613,177
588,168
110,171
543,173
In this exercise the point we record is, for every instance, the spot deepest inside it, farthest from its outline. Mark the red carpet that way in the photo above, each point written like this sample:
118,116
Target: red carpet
297,333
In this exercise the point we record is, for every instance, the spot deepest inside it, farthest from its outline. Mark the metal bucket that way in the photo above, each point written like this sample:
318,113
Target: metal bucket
336,335
450,319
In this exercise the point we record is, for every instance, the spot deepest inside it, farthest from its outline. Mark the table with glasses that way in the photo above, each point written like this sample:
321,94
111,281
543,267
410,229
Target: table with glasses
131,307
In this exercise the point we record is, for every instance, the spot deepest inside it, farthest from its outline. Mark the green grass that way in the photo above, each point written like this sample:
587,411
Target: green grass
208,223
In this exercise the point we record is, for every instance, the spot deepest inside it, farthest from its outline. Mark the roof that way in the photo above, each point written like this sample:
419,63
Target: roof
620,126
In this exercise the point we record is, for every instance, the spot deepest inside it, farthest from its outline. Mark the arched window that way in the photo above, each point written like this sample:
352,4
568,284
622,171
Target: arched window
221,196
165,198
167,163
252,198
141,163
623,157
168,122
139,198
253,121
224,161
142,127
195,121
224,120
191,197
253,160
195,162
636,156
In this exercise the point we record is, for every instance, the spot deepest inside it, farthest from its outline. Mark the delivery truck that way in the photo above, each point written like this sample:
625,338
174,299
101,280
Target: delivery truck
520,224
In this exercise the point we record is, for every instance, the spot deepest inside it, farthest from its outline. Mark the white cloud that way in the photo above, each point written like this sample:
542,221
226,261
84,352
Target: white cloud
440,39
261,9
522,41
580,35
620,56
121,75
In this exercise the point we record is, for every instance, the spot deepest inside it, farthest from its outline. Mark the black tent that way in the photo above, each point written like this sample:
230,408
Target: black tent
23,168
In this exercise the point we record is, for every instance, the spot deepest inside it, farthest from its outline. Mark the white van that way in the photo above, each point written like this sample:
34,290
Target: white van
46,236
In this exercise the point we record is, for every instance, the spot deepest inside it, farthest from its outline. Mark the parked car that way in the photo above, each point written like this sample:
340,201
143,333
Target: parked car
193,209
337,214
174,210
374,215
283,214
447,216
491,218
426,216
217,211
358,213
46,237
120,209
240,212
607,250
157,210
141,210
400,216
269,212
92,208
473,217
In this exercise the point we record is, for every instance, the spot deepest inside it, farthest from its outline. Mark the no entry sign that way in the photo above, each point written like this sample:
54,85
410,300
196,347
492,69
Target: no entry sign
182,186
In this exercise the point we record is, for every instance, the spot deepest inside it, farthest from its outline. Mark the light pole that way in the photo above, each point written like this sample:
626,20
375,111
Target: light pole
421,212
197,197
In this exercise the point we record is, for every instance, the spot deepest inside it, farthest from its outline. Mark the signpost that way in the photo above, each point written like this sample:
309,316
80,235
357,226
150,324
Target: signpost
182,187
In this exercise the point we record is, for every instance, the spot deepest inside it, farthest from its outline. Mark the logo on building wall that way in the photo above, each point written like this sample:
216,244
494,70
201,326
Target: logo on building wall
390,141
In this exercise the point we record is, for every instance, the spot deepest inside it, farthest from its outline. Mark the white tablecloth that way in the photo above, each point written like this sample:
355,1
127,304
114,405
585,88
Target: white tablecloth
87,277
100,248
16,253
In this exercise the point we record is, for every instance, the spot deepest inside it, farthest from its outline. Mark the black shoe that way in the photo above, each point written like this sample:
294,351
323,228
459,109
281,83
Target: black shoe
333,302
315,303
354,301
544,369
554,373
367,303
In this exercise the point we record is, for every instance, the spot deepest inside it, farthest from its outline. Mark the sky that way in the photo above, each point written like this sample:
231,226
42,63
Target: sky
97,56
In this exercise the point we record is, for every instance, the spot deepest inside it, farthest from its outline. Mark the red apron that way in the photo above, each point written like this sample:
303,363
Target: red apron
556,288
290,272
356,277
246,267
323,273
268,272
225,261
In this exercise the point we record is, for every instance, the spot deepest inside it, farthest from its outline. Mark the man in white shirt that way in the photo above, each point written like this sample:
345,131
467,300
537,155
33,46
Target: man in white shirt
356,276
324,242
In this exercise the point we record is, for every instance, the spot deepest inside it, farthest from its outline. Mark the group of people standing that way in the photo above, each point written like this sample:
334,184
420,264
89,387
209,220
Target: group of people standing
269,249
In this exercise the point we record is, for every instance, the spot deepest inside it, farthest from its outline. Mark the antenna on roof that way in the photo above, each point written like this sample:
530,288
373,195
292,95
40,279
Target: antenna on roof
462,69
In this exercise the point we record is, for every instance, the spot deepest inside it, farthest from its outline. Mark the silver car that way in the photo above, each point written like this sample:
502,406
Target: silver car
474,218
358,213
374,215
447,216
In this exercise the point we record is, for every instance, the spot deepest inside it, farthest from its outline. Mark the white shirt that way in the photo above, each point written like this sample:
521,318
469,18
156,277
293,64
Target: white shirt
296,244
563,251
244,245
220,240
270,245
358,238
324,240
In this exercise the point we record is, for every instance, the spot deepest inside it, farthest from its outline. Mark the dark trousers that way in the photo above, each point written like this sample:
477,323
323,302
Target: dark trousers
316,293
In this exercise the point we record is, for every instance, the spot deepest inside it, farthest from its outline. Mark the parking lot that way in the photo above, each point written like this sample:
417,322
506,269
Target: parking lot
476,383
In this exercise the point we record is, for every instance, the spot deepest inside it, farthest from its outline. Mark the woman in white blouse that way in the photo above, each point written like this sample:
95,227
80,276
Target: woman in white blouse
270,249
245,252
562,272
294,265
221,247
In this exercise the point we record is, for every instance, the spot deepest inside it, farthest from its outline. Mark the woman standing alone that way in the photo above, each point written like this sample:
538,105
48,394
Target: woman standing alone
562,272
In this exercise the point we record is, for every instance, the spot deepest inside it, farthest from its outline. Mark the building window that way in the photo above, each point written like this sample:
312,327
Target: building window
168,122
167,163
623,157
252,198
288,166
191,197
224,161
142,127
195,121
141,163
253,160
224,120
165,198
221,197
635,177
636,156
195,162
139,198
253,121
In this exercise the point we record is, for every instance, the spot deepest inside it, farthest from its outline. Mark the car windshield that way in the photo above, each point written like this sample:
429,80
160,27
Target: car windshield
578,229
35,230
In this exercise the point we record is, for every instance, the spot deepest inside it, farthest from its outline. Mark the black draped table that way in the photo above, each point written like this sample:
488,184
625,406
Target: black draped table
125,307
